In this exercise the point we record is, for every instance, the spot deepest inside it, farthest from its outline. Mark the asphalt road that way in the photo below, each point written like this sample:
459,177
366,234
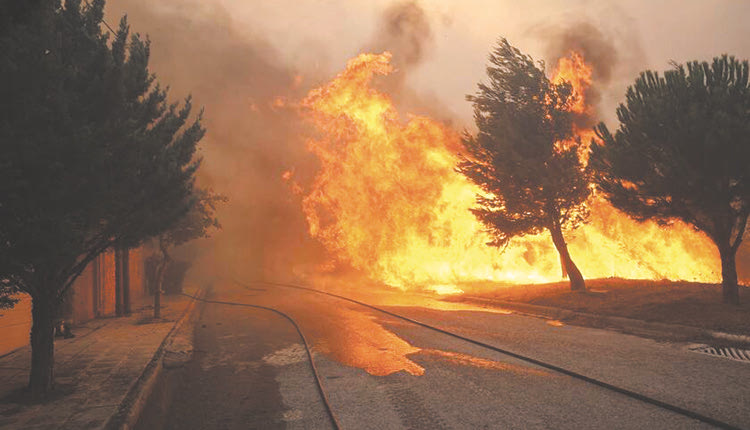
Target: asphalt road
250,370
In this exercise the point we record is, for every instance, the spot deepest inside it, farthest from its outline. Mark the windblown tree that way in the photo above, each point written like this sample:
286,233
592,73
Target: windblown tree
195,224
92,156
682,152
530,181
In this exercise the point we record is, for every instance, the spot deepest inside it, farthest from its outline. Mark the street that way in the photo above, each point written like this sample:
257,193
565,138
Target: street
250,370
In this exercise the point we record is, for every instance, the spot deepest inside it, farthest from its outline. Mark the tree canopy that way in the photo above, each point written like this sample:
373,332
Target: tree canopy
530,181
198,221
682,151
93,156
195,224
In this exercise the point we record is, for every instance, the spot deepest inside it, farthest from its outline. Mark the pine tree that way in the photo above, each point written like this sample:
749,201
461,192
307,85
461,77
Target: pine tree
92,156
682,152
196,224
529,181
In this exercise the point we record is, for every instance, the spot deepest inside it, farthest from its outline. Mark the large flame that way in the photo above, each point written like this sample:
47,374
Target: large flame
388,201
574,70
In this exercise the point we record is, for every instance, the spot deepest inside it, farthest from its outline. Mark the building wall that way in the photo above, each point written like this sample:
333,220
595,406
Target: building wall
104,284
138,291
15,325
82,296
92,296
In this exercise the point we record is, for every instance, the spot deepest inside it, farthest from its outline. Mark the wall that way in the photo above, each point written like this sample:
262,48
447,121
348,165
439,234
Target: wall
138,293
82,296
92,296
15,325
104,284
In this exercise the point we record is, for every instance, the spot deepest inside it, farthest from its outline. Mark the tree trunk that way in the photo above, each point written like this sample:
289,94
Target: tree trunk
42,378
729,288
160,277
562,267
157,291
576,279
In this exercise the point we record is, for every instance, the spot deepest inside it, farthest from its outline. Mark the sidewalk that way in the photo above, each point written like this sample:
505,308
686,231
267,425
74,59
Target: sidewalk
93,371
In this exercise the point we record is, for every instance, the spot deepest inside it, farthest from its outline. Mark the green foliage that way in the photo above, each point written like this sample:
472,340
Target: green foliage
528,183
92,155
683,148
683,152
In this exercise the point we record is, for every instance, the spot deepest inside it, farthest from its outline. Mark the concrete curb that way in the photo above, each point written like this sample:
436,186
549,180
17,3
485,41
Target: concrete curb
131,406
634,325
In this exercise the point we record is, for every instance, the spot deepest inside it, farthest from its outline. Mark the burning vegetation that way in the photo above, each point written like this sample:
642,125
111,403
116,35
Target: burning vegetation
374,187
387,199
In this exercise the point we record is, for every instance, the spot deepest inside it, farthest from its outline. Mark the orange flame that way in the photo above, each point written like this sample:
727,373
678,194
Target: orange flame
388,201
574,70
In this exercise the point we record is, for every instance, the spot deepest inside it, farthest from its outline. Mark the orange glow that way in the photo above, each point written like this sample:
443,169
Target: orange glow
297,81
278,103
357,340
468,360
388,202
288,177
574,70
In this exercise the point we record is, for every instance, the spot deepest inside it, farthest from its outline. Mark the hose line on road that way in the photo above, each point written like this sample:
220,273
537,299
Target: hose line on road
319,383
624,391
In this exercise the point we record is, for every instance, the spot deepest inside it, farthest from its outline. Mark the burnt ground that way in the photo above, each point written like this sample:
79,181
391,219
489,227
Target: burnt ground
684,303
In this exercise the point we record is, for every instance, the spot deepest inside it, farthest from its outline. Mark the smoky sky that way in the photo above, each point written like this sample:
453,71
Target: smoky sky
253,137
247,63
405,30
598,50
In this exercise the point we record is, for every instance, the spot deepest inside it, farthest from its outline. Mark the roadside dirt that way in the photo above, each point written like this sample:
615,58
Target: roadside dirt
684,303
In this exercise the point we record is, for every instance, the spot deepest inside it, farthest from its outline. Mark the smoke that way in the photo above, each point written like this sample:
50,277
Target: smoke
404,30
254,133
615,57
598,51
256,137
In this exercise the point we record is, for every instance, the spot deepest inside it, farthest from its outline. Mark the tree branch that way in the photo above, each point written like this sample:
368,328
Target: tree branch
740,230
77,269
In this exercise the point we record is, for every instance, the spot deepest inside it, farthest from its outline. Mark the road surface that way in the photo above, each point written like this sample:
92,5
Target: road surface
250,370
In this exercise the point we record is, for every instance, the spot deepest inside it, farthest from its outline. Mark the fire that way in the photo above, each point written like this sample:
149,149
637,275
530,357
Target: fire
574,70
388,202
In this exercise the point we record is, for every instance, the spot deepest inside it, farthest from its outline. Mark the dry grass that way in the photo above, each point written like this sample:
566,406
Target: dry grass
685,303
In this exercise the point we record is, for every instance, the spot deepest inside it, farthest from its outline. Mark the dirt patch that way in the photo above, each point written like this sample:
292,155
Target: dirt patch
684,303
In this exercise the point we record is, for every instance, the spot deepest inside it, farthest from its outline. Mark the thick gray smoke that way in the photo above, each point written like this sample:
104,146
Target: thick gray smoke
404,30
615,56
254,133
598,51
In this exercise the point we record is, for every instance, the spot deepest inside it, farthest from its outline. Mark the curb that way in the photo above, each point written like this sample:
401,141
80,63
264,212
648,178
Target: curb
131,406
635,325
